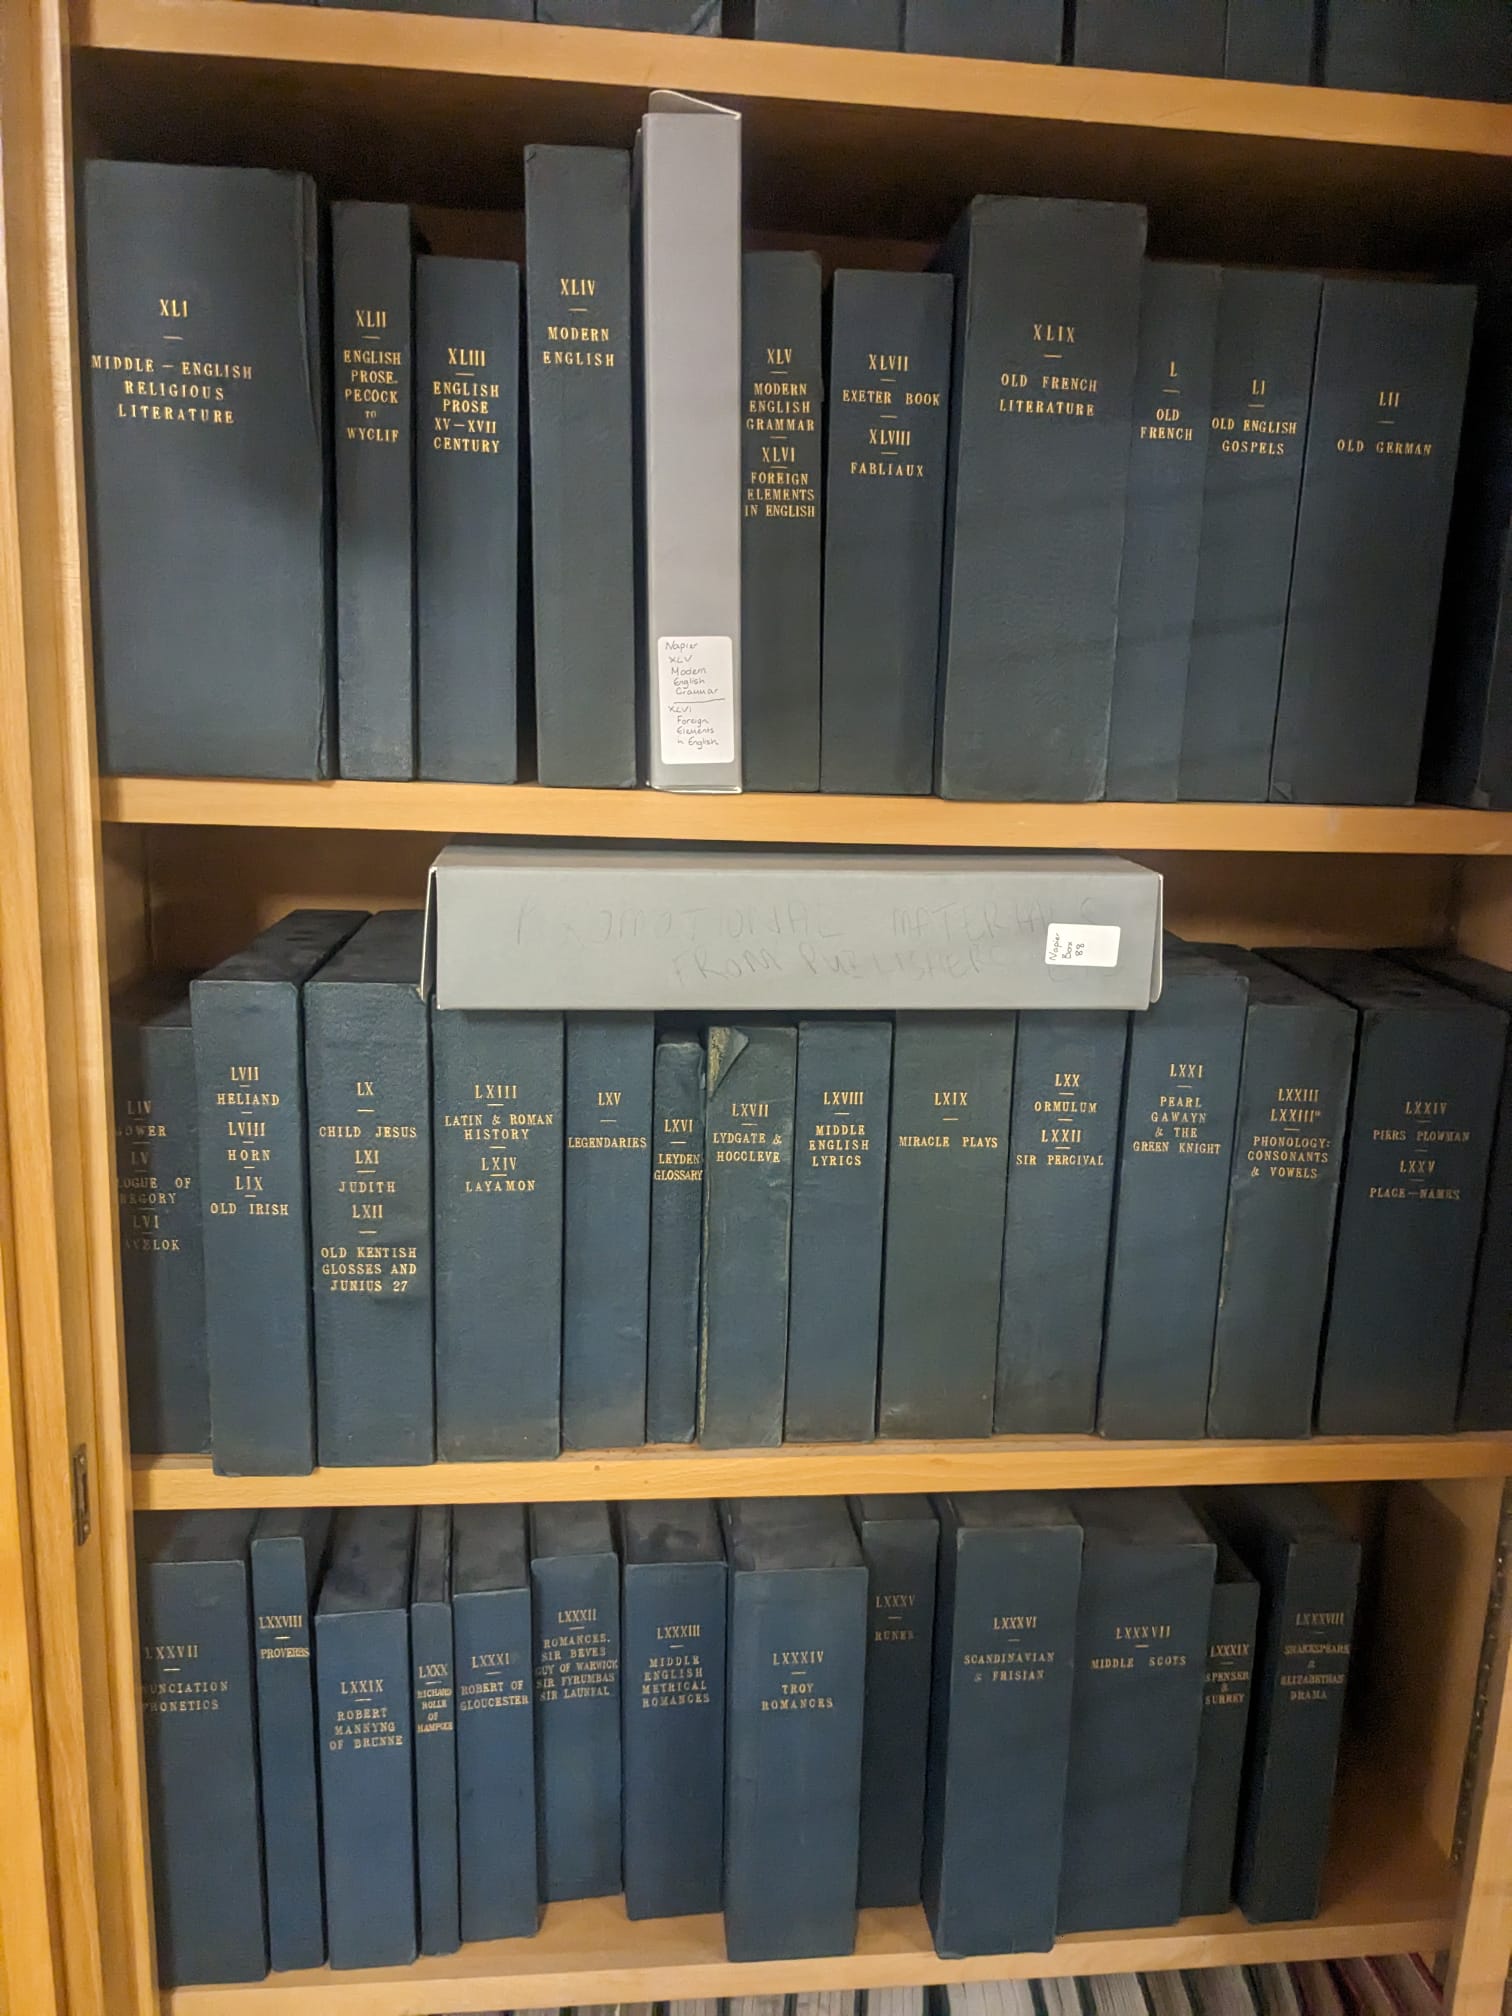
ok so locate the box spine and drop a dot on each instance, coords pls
(690, 275)
(1208, 1880)
(1063, 1159)
(201, 1772)
(577, 1724)
(998, 1754)
(1377, 485)
(884, 526)
(1467, 750)
(281, 1581)
(162, 1244)
(947, 1174)
(677, 1187)
(1410, 1212)
(582, 462)
(367, 1795)
(607, 1227)
(1176, 1141)
(367, 1070)
(1030, 31)
(662, 17)
(1157, 594)
(467, 507)
(248, 1040)
(1444, 51)
(1271, 41)
(782, 396)
(839, 24)
(1178, 38)
(792, 1780)
(674, 1716)
(839, 1186)
(1135, 1723)
(748, 1216)
(1278, 1238)
(497, 1123)
(496, 1764)
(1485, 1401)
(1306, 1631)
(373, 332)
(1267, 329)
(436, 1774)
(199, 672)
(1035, 517)
(900, 1556)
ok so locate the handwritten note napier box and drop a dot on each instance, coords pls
(681, 929)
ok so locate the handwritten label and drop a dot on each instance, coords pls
(696, 691)
(1082, 945)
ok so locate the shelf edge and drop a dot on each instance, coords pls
(814, 818)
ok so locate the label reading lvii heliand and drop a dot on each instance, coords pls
(695, 688)
(1082, 945)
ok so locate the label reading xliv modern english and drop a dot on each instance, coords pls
(696, 694)
(1082, 945)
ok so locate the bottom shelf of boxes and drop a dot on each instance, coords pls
(1389, 1889)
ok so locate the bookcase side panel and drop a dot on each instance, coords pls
(52, 922)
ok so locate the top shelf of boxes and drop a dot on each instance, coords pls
(839, 144)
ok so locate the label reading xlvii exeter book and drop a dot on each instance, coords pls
(696, 690)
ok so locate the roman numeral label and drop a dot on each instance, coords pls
(776, 356)
(466, 357)
(887, 360)
(364, 1088)
(575, 290)
(371, 318)
(609, 1098)
(1067, 1081)
(779, 454)
(1188, 1070)
(1055, 332)
(175, 310)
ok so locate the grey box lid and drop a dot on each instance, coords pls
(511, 926)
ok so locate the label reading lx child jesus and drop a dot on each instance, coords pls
(696, 699)
(1082, 945)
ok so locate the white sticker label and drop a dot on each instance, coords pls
(1082, 945)
(696, 693)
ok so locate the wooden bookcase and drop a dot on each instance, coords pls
(868, 157)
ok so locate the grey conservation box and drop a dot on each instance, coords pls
(512, 926)
(687, 193)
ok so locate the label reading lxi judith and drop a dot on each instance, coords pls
(696, 692)
(1082, 945)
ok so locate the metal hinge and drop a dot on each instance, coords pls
(80, 1468)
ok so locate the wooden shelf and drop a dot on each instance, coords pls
(1011, 1463)
(815, 818)
(433, 109)
(1389, 1890)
